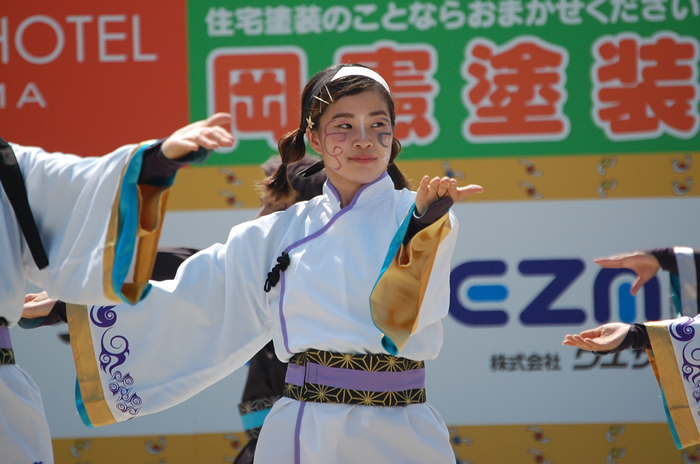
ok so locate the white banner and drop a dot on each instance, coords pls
(523, 277)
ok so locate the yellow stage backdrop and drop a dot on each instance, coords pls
(505, 444)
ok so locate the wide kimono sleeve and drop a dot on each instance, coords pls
(673, 355)
(187, 334)
(414, 285)
(98, 225)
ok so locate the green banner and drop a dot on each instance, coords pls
(472, 79)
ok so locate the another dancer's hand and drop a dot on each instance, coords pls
(37, 305)
(604, 338)
(643, 264)
(430, 191)
(207, 133)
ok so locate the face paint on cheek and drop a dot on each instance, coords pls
(385, 138)
(330, 141)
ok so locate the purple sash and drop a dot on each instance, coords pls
(5, 342)
(355, 379)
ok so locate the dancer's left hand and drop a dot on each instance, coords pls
(430, 191)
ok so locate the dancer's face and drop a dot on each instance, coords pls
(354, 138)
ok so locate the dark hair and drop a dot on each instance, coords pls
(318, 90)
(305, 187)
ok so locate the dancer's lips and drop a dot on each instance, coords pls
(363, 159)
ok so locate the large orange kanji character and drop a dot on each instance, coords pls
(260, 87)
(646, 87)
(409, 71)
(516, 91)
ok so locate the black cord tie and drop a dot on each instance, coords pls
(274, 275)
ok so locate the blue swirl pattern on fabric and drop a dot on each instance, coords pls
(682, 331)
(112, 355)
(104, 316)
(121, 386)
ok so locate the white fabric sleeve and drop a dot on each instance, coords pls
(98, 225)
(187, 334)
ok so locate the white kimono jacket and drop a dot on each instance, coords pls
(90, 215)
(350, 288)
(675, 357)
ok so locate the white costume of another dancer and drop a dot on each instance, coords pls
(93, 219)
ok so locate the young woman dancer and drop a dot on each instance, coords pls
(351, 286)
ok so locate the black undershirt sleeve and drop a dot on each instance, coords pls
(637, 339)
(667, 259)
(57, 314)
(155, 166)
(435, 211)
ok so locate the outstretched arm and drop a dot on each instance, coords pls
(611, 336)
(189, 144)
(40, 310)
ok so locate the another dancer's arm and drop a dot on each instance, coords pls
(615, 337)
(97, 215)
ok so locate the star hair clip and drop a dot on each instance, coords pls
(309, 122)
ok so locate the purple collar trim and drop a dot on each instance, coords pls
(333, 190)
(331, 187)
(5, 342)
(355, 379)
(283, 322)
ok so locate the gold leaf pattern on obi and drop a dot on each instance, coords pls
(7, 356)
(368, 363)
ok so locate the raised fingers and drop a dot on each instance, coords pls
(433, 187)
(443, 187)
(218, 119)
(424, 184)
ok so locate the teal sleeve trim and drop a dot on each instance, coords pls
(81, 407)
(127, 224)
(674, 433)
(254, 419)
(30, 323)
(394, 247)
(676, 307)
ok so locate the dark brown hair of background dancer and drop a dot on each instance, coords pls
(305, 188)
(278, 188)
